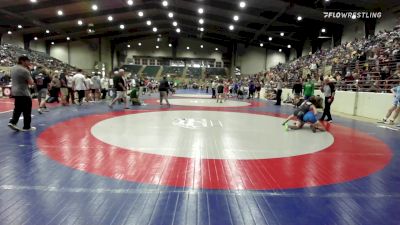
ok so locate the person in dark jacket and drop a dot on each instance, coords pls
(163, 89)
(297, 91)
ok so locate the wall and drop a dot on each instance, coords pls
(274, 58)
(327, 44)
(293, 54)
(355, 29)
(83, 55)
(14, 39)
(388, 21)
(148, 48)
(307, 48)
(357, 103)
(39, 46)
(252, 59)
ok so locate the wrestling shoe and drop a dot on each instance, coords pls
(286, 126)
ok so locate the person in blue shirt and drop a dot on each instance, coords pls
(306, 113)
(395, 108)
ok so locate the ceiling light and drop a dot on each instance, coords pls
(323, 30)
(35, 38)
(9, 32)
(33, 1)
(216, 49)
(19, 26)
(270, 39)
(175, 23)
(178, 30)
(148, 22)
(154, 29)
(261, 45)
(282, 34)
(130, 2)
(170, 15)
(201, 20)
(200, 10)
(231, 27)
(280, 50)
(326, 0)
(170, 45)
(165, 3)
(95, 7)
(158, 39)
(157, 46)
(47, 32)
(289, 46)
(140, 44)
(128, 46)
(201, 29)
(122, 26)
(235, 17)
(68, 38)
(299, 18)
(60, 12)
(187, 47)
(52, 42)
(201, 46)
(140, 13)
(80, 22)
(242, 4)
(110, 18)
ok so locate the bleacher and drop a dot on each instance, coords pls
(151, 71)
(213, 71)
(133, 69)
(173, 70)
(194, 72)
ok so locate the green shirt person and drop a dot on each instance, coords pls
(308, 89)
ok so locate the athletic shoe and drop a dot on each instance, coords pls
(286, 127)
(30, 129)
(391, 122)
(40, 111)
(13, 127)
(329, 121)
(46, 110)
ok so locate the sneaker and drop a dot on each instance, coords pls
(391, 122)
(30, 129)
(46, 110)
(13, 127)
(286, 127)
(40, 111)
(329, 121)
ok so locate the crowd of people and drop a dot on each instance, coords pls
(365, 64)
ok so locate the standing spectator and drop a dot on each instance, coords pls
(89, 87)
(71, 94)
(296, 90)
(21, 79)
(79, 85)
(213, 89)
(104, 87)
(252, 89)
(54, 90)
(329, 92)
(395, 108)
(308, 89)
(42, 81)
(120, 87)
(163, 89)
(64, 88)
(96, 87)
(279, 91)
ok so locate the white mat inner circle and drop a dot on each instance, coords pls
(209, 135)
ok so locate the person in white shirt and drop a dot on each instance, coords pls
(104, 87)
(71, 94)
(79, 85)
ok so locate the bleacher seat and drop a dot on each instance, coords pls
(173, 70)
(194, 72)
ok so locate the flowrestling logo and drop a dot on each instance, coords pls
(352, 15)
